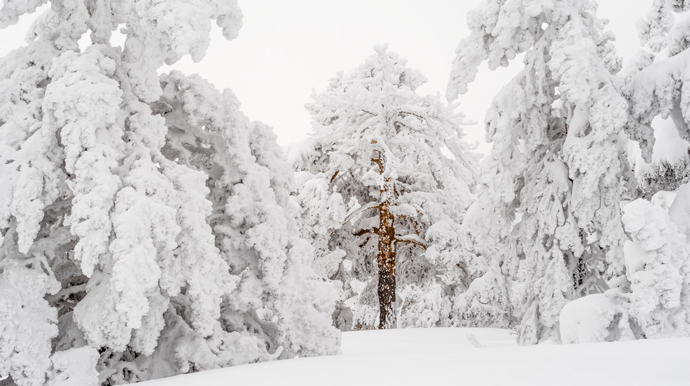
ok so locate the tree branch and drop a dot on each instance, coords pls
(334, 176)
(378, 161)
(412, 239)
(366, 231)
(421, 118)
(361, 210)
(404, 124)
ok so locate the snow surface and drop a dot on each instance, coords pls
(453, 356)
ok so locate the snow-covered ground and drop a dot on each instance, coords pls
(475, 357)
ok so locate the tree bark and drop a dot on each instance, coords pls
(386, 260)
(386, 253)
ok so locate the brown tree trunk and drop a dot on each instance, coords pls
(385, 256)
(386, 260)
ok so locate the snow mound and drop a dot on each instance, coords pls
(594, 318)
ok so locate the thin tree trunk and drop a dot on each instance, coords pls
(386, 260)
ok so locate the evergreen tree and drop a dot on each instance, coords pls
(655, 303)
(551, 186)
(387, 180)
(146, 228)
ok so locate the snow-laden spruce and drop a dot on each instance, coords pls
(146, 226)
(385, 181)
(548, 204)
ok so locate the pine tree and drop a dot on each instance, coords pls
(550, 188)
(387, 180)
(146, 227)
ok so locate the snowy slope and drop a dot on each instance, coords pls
(448, 357)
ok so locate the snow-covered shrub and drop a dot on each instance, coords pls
(386, 180)
(596, 318)
(143, 219)
(485, 303)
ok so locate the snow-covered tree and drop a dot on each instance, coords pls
(386, 179)
(661, 159)
(660, 154)
(253, 219)
(658, 266)
(146, 227)
(655, 303)
(550, 188)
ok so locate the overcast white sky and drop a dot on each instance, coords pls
(287, 48)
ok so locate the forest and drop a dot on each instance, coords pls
(149, 228)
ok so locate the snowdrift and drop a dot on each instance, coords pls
(477, 357)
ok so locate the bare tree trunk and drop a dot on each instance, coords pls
(385, 256)
(386, 260)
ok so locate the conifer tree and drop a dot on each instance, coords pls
(146, 228)
(386, 182)
(550, 188)
(657, 256)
